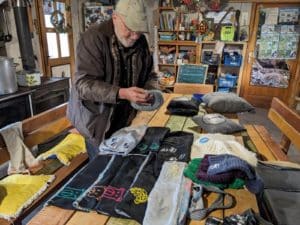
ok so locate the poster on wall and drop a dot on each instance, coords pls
(96, 13)
(279, 32)
(278, 41)
(272, 73)
(288, 15)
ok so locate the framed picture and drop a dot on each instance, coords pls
(192, 73)
(96, 13)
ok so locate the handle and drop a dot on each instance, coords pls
(250, 57)
(8, 36)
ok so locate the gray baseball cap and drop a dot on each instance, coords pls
(134, 14)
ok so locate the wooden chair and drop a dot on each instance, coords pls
(287, 121)
(187, 88)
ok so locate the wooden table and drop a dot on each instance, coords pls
(51, 215)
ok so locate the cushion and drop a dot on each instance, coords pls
(227, 103)
(155, 102)
(183, 106)
(18, 191)
(67, 149)
(217, 123)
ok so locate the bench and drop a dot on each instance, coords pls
(287, 121)
(37, 130)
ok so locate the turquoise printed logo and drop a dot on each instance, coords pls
(203, 140)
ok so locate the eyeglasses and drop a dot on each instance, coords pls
(128, 29)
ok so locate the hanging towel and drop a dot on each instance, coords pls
(18, 191)
(67, 149)
(21, 158)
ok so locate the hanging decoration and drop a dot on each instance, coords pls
(204, 6)
(57, 19)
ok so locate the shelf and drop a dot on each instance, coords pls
(161, 64)
(184, 43)
(166, 86)
(230, 66)
(226, 42)
(169, 31)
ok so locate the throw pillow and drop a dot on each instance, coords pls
(217, 123)
(227, 103)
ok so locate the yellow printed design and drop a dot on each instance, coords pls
(140, 195)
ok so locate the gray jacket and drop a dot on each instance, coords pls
(96, 82)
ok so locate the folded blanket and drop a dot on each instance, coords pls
(67, 149)
(21, 158)
(18, 191)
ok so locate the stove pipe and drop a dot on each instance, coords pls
(24, 35)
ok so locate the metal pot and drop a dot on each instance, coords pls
(8, 80)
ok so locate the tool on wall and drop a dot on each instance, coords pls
(7, 37)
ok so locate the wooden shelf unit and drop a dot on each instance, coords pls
(172, 53)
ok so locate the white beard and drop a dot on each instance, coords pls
(124, 41)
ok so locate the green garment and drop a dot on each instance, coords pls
(192, 168)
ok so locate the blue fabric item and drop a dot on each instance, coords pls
(224, 163)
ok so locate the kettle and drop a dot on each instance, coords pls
(8, 80)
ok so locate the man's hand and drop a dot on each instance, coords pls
(134, 94)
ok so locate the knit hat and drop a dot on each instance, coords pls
(155, 102)
(223, 178)
(224, 163)
(134, 14)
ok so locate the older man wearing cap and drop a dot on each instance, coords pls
(113, 65)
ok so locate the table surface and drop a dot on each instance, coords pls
(51, 215)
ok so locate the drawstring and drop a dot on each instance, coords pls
(197, 210)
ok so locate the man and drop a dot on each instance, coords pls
(113, 65)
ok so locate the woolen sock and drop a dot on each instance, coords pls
(134, 203)
(151, 140)
(113, 193)
(79, 183)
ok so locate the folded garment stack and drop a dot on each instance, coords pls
(121, 184)
(183, 106)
